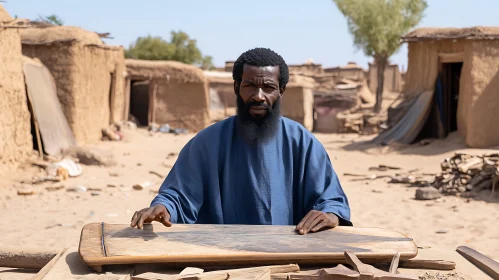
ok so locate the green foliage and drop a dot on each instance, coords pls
(180, 48)
(52, 19)
(377, 25)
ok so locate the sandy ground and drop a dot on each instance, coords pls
(53, 219)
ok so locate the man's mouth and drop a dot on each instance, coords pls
(258, 108)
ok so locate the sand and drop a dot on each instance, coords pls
(53, 219)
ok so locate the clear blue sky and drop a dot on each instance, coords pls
(297, 29)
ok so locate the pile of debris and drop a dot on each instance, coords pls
(464, 172)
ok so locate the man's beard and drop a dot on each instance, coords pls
(253, 128)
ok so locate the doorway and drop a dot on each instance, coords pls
(139, 102)
(451, 75)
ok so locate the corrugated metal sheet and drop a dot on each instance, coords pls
(411, 124)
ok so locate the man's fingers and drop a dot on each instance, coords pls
(166, 221)
(133, 222)
(320, 226)
(307, 225)
(312, 222)
(300, 225)
(145, 217)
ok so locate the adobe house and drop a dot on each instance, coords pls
(16, 141)
(223, 85)
(461, 67)
(393, 78)
(89, 76)
(298, 100)
(351, 71)
(167, 92)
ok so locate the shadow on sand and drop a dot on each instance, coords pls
(453, 143)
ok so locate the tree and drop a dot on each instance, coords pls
(377, 25)
(180, 48)
(52, 19)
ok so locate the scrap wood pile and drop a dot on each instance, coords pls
(461, 173)
(464, 172)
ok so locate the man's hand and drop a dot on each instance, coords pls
(317, 220)
(156, 213)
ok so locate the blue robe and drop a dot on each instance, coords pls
(222, 178)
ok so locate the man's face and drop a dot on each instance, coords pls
(259, 89)
(258, 98)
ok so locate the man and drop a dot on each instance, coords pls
(253, 168)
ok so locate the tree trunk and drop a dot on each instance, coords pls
(381, 63)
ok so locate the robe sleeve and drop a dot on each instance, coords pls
(323, 191)
(182, 190)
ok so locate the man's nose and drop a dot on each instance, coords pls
(259, 96)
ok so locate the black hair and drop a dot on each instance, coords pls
(261, 57)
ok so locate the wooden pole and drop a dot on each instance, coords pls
(30, 258)
(481, 261)
(127, 89)
(37, 129)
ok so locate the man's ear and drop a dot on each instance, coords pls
(236, 87)
(282, 90)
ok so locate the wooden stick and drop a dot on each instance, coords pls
(486, 264)
(428, 264)
(48, 266)
(28, 258)
(35, 121)
(395, 263)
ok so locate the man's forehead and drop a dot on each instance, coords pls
(268, 71)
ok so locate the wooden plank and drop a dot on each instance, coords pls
(463, 266)
(237, 244)
(50, 122)
(483, 262)
(69, 266)
(127, 88)
(153, 87)
(262, 272)
(30, 258)
(46, 269)
(112, 96)
(451, 57)
(428, 264)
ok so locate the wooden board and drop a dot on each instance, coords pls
(69, 266)
(42, 93)
(103, 244)
(462, 265)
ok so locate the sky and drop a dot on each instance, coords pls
(297, 29)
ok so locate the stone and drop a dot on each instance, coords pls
(91, 156)
(427, 193)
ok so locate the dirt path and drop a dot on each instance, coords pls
(54, 218)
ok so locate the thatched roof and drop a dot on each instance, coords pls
(177, 71)
(4, 16)
(472, 33)
(55, 34)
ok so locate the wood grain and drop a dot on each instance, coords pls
(226, 244)
(481, 261)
